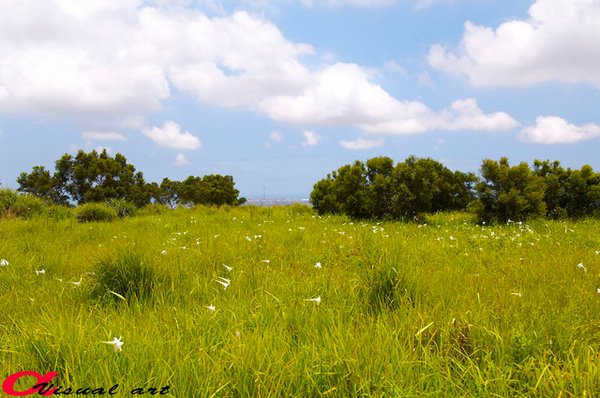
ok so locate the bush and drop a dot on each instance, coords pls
(125, 276)
(95, 212)
(27, 206)
(123, 207)
(58, 212)
(7, 198)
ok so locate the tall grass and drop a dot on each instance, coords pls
(446, 308)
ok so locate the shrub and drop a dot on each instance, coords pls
(123, 207)
(125, 276)
(58, 212)
(7, 198)
(27, 206)
(95, 212)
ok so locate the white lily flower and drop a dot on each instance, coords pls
(580, 265)
(223, 281)
(228, 268)
(598, 290)
(40, 272)
(116, 343)
(265, 261)
(78, 283)
(316, 300)
(164, 252)
(318, 265)
(211, 308)
(3, 263)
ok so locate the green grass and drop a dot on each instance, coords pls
(446, 309)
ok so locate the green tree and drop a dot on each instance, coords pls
(509, 193)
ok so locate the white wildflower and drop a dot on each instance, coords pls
(40, 272)
(318, 265)
(516, 294)
(228, 268)
(223, 281)
(116, 343)
(581, 266)
(265, 261)
(164, 252)
(211, 308)
(3, 263)
(316, 300)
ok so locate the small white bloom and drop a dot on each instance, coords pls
(597, 252)
(228, 268)
(316, 300)
(580, 266)
(116, 343)
(164, 252)
(318, 266)
(223, 281)
(265, 261)
(598, 290)
(248, 238)
(40, 272)
(3, 263)
(216, 236)
(78, 283)
(211, 308)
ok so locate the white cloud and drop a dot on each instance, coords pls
(556, 130)
(118, 60)
(466, 115)
(361, 143)
(342, 94)
(559, 42)
(171, 136)
(103, 136)
(181, 160)
(358, 3)
(310, 138)
(276, 136)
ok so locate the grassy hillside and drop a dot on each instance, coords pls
(448, 308)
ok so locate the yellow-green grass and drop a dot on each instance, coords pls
(446, 309)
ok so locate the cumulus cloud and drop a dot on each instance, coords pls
(361, 143)
(310, 138)
(556, 130)
(171, 136)
(102, 136)
(358, 3)
(559, 42)
(466, 115)
(118, 60)
(181, 160)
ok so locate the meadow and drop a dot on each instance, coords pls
(274, 302)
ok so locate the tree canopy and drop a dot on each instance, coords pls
(98, 177)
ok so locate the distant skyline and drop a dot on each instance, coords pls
(278, 93)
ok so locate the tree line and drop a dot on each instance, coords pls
(378, 189)
(91, 177)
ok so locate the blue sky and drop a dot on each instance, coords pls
(279, 93)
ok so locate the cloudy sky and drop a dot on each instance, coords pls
(278, 93)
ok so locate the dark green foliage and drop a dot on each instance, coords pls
(213, 189)
(96, 177)
(126, 275)
(89, 212)
(381, 190)
(123, 208)
(509, 193)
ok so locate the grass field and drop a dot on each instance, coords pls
(231, 302)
